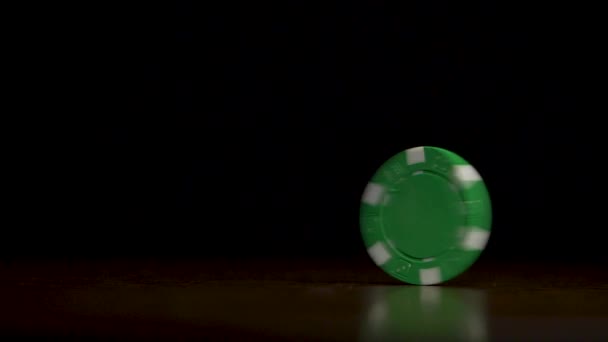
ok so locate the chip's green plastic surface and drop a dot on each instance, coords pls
(425, 216)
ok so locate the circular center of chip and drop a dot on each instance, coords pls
(422, 216)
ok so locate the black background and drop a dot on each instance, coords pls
(251, 129)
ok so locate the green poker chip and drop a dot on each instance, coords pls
(425, 216)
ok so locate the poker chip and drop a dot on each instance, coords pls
(425, 216)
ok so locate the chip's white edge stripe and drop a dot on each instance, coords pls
(466, 173)
(379, 253)
(430, 276)
(475, 239)
(415, 155)
(373, 194)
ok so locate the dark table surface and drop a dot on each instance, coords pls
(297, 299)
